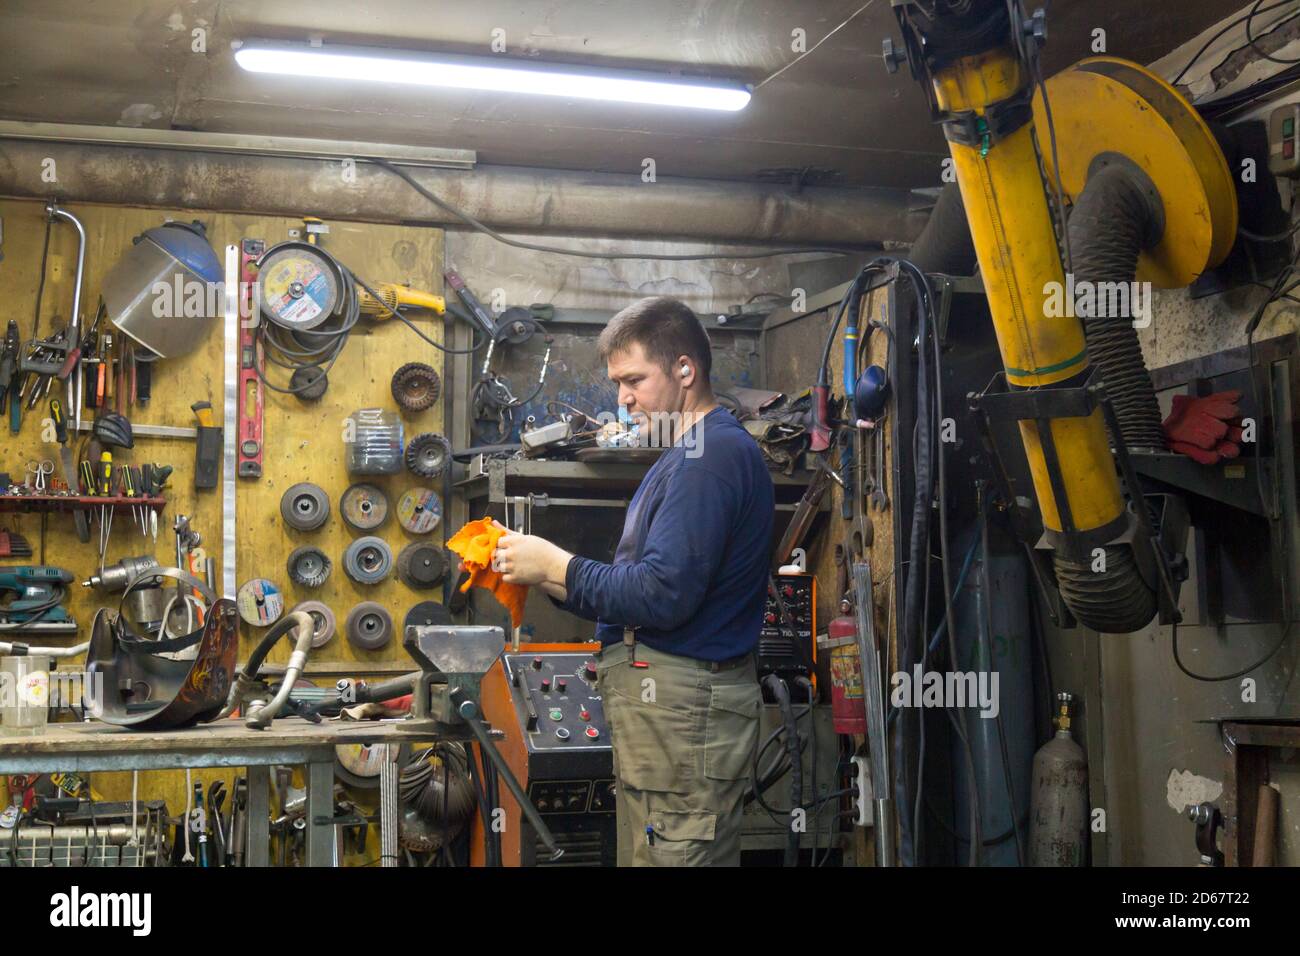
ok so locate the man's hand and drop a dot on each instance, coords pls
(530, 560)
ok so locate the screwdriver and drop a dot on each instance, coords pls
(88, 477)
(128, 490)
(105, 511)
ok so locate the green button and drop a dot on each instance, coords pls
(557, 714)
(1288, 126)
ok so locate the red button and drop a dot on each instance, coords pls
(585, 714)
(1288, 148)
(593, 733)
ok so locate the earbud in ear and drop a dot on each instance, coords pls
(686, 370)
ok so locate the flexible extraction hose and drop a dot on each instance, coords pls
(1112, 221)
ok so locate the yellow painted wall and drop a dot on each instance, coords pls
(303, 441)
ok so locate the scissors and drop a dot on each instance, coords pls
(39, 471)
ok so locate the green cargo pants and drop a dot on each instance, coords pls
(684, 734)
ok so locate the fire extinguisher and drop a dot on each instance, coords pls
(848, 706)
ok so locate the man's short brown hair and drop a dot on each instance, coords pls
(665, 328)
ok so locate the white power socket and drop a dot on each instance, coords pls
(862, 801)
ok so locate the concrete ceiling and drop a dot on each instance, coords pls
(836, 112)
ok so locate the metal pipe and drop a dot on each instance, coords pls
(74, 324)
(517, 199)
(389, 806)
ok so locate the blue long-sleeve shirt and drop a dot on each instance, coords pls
(690, 572)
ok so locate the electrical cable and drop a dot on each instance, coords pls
(281, 353)
(559, 250)
(781, 691)
(1254, 12)
(977, 814)
(1275, 237)
(1243, 19)
(813, 49)
(1212, 679)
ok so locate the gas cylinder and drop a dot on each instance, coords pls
(1058, 822)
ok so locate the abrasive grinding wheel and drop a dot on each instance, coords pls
(369, 626)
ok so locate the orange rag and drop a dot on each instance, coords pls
(475, 543)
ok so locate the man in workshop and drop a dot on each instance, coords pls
(678, 611)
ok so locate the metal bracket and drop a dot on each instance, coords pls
(1041, 405)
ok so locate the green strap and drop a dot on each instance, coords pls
(1048, 369)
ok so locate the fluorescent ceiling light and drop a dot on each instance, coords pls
(489, 73)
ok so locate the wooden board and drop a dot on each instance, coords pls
(303, 442)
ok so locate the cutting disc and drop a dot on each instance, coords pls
(299, 287)
(427, 614)
(364, 506)
(419, 510)
(260, 602)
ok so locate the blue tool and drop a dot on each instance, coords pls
(36, 608)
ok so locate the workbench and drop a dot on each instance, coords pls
(291, 741)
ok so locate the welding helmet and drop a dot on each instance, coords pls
(149, 682)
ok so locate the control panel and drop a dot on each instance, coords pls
(556, 701)
(545, 700)
(779, 650)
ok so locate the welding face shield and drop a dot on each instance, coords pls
(148, 682)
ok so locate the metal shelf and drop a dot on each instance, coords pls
(582, 484)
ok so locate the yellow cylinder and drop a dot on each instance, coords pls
(1011, 227)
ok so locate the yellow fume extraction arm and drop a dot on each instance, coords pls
(1152, 200)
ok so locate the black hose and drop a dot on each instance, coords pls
(1113, 220)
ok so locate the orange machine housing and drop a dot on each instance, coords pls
(498, 708)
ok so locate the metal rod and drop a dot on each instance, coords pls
(389, 809)
(470, 712)
(74, 324)
(874, 697)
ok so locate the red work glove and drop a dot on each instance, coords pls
(1205, 429)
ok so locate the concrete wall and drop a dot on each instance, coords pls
(1153, 744)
